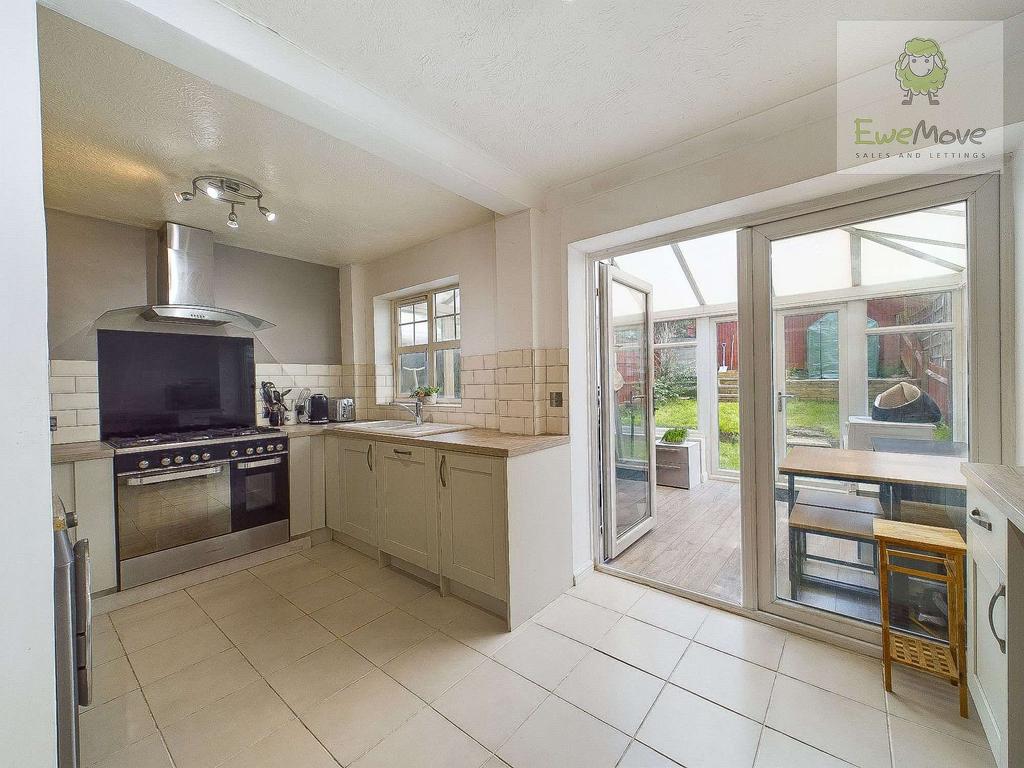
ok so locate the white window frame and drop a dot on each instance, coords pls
(429, 348)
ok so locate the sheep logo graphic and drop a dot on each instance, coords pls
(921, 70)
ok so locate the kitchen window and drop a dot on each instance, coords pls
(428, 332)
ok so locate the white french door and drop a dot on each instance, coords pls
(627, 408)
(859, 294)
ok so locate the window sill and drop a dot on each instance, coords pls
(439, 404)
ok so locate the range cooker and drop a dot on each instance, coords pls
(188, 499)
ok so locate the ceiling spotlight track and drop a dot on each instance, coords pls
(227, 190)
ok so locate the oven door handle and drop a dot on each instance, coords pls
(259, 463)
(167, 477)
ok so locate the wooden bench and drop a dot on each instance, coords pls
(867, 505)
(835, 523)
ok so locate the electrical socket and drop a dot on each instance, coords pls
(53, 423)
(555, 399)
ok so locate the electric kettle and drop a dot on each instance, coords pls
(317, 409)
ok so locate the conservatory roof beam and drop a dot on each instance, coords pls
(897, 246)
(689, 275)
(913, 239)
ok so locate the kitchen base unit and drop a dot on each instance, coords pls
(485, 523)
(995, 600)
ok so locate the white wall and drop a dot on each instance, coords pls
(467, 255)
(1015, 205)
(27, 725)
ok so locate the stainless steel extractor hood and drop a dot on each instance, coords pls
(184, 282)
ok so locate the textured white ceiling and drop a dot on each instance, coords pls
(122, 131)
(559, 90)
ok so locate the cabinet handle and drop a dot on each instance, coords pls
(977, 519)
(369, 456)
(402, 453)
(1001, 592)
(444, 461)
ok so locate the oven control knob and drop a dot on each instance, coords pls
(259, 449)
(270, 448)
(143, 464)
(280, 447)
(194, 457)
(248, 451)
(205, 457)
(179, 459)
(165, 461)
(234, 453)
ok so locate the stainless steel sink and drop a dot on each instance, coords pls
(409, 428)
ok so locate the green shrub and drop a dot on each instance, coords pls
(675, 435)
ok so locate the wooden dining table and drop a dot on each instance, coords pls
(890, 471)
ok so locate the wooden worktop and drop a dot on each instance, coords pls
(66, 453)
(485, 442)
(1003, 485)
(874, 467)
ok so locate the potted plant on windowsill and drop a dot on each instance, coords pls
(427, 395)
(679, 464)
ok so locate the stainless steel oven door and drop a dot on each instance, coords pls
(259, 491)
(157, 511)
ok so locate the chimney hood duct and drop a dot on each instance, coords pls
(184, 282)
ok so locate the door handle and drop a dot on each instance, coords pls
(444, 461)
(369, 456)
(402, 453)
(1001, 592)
(782, 398)
(83, 621)
(977, 519)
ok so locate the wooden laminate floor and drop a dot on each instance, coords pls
(695, 544)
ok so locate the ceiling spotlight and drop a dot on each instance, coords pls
(227, 190)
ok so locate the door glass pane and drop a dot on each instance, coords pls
(445, 329)
(811, 391)
(448, 373)
(728, 375)
(629, 380)
(412, 372)
(695, 541)
(870, 358)
(675, 386)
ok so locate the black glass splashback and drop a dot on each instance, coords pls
(164, 382)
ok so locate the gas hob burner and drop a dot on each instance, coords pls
(187, 436)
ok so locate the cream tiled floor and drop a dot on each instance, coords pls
(321, 659)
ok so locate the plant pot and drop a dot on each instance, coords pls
(429, 399)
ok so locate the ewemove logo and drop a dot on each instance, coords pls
(941, 109)
(921, 70)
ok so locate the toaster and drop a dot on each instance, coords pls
(342, 409)
(318, 408)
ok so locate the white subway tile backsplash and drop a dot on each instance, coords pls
(307, 381)
(67, 402)
(318, 370)
(268, 369)
(294, 369)
(88, 417)
(65, 418)
(62, 384)
(76, 434)
(73, 368)
(87, 384)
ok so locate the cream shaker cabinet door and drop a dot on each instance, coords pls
(357, 489)
(987, 673)
(332, 482)
(474, 541)
(407, 503)
(300, 503)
